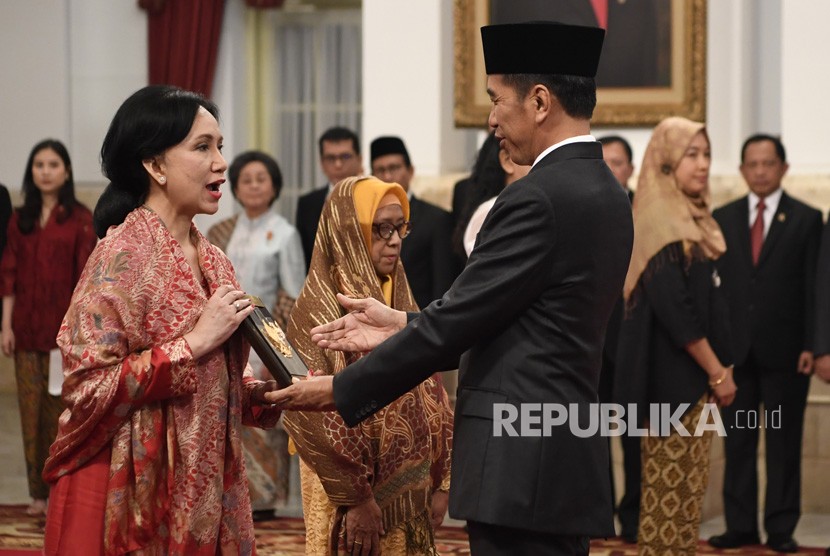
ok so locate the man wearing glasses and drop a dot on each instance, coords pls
(427, 254)
(339, 159)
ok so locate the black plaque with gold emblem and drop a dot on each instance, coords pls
(270, 343)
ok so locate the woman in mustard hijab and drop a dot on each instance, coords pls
(674, 342)
(381, 486)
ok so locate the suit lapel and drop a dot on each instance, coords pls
(776, 228)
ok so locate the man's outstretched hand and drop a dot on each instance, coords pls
(368, 323)
(315, 393)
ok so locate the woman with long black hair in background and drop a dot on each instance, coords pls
(49, 241)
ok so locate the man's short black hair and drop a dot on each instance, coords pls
(758, 138)
(576, 94)
(337, 134)
(610, 139)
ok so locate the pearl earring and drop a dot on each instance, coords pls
(162, 179)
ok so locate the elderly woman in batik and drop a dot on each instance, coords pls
(384, 484)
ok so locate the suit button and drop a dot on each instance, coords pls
(374, 404)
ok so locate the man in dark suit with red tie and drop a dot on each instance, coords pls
(769, 275)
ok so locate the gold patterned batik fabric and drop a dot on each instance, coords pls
(400, 455)
(674, 479)
(39, 413)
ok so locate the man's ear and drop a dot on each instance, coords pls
(542, 101)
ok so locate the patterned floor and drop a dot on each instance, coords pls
(21, 534)
(279, 537)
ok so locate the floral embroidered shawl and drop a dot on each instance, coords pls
(177, 480)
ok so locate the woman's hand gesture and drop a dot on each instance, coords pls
(222, 315)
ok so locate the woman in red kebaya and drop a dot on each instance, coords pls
(49, 240)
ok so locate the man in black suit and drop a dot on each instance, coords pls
(528, 312)
(427, 253)
(616, 152)
(339, 159)
(769, 275)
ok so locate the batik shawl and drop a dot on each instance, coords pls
(402, 453)
(177, 481)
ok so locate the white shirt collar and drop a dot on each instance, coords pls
(575, 139)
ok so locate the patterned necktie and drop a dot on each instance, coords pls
(756, 233)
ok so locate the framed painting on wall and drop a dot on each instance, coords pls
(653, 62)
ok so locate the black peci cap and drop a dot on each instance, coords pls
(545, 47)
(387, 145)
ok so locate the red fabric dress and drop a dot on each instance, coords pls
(40, 269)
(175, 479)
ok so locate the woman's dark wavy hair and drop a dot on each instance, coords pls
(29, 213)
(148, 123)
(488, 179)
(270, 164)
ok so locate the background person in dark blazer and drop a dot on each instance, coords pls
(339, 159)
(426, 255)
(616, 152)
(770, 284)
(528, 312)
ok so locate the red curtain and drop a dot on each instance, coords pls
(183, 42)
(264, 3)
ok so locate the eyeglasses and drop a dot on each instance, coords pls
(384, 229)
(391, 169)
(342, 158)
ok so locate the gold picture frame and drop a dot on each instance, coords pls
(685, 94)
